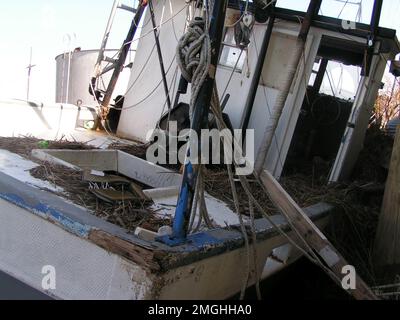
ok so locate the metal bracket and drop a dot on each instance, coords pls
(110, 60)
(107, 69)
(127, 8)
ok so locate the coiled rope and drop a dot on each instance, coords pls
(194, 57)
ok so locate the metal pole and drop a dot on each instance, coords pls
(68, 76)
(199, 121)
(376, 16)
(119, 65)
(160, 57)
(375, 19)
(257, 73)
(320, 75)
(97, 68)
(30, 66)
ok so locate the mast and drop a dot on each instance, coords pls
(118, 64)
(375, 19)
(199, 121)
(29, 67)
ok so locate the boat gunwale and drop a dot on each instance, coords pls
(151, 255)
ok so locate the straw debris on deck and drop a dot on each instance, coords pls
(351, 230)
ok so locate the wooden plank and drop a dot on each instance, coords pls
(128, 250)
(312, 235)
(354, 136)
(387, 241)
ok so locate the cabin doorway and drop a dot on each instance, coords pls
(326, 108)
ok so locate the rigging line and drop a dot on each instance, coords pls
(145, 23)
(173, 22)
(331, 82)
(245, 184)
(240, 18)
(159, 51)
(279, 156)
(214, 102)
(255, 256)
(162, 13)
(98, 112)
(352, 38)
(152, 29)
(103, 83)
(141, 71)
(339, 87)
(149, 94)
(216, 109)
(113, 57)
(341, 11)
(149, 20)
(332, 25)
(359, 10)
(311, 255)
(144, 66)
(105, 125)
(173, 86)
(231, 76)
(148, 59)
(243, 230)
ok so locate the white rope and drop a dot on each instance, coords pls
(255, 255)
(216, 109)
(194, 57)
(305, 249)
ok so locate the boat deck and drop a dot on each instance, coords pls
(40, 225)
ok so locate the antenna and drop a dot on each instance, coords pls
(29, 67)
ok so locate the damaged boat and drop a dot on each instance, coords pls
(97, 254)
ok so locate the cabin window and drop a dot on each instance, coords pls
(341, 81)
(327, 107)
(231, 54)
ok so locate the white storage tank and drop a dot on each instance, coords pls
(74, 72)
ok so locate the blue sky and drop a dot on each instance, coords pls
(43, 24)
